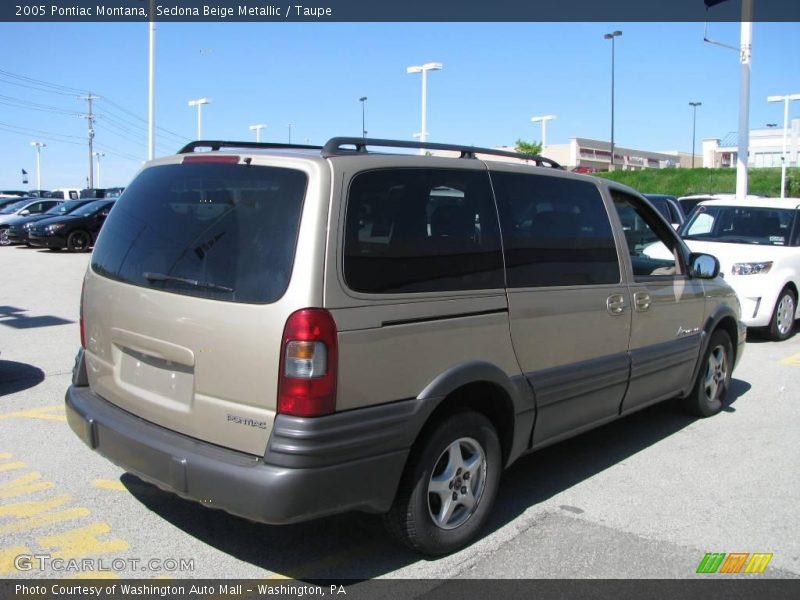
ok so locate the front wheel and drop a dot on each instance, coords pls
(782, 322)
(4, 237)
(713, 379)
(79, 241)
(449, 486)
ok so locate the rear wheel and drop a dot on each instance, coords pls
(780, 327)
(713, 379)
(79, 241)
(449, 485)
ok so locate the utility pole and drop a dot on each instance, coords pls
(90, 122)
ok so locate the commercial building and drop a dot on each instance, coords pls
(766, 148)
(595, 155)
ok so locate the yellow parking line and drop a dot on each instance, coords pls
(23, 510)
(26, 484)
(44, 520)
(45, 413)
(12, 466)
(792, 360)
(4, 456)
(109, 484)
(82, 542)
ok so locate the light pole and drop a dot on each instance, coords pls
(363, 101)
(785, 99)
(432, 66)
(199, 104)
(257, 129)
(543, 120)
(612, 36)
(151, 86)
(38, 146)
(97, 156)
(694, 106)
(290, 132)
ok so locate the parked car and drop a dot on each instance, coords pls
(289, 333)
(76, 231)
(668, 206)
(8, 200)
(689, 202)
(19, 227)
(22, 208)
(757, 242)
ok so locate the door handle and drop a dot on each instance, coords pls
(641, 301)
(615, 304)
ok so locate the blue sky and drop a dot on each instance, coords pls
(495, 77)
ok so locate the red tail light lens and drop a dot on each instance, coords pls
(83, 329)
(309, 361)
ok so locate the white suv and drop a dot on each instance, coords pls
(757, 242)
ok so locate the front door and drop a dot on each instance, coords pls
(668, 306)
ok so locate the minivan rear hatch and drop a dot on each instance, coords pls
(184, 301)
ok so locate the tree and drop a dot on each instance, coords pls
(528, 147)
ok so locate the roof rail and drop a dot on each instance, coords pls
(219, 144)
(334, 147)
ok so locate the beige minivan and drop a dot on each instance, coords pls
(288, 332)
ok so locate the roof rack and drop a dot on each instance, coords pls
(215, 145)
(335, 147)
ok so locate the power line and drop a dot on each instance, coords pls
(54, 87)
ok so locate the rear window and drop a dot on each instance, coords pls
(220, 231)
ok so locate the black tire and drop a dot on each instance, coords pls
(713, 379)
(411, 520)
(782, 322)
(79, 241)
(4, 237)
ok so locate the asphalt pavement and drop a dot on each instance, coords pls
(646, 497)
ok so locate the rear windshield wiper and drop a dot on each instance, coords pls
(193, 282)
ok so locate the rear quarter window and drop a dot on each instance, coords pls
(220, 231)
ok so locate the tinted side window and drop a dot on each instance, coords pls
(556, 231)
(421, 230)
(652, 248)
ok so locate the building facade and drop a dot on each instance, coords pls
(766, 148)
(595, 155)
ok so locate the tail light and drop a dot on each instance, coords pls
(83, 328)
(307, 382)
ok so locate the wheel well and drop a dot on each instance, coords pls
(729, 326)
(792, 287)
(484, 397)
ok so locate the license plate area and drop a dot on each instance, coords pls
(157, 376)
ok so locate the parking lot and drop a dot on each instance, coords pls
(645, 497)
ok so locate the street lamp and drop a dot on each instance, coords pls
(38, 146)
(432, 66)
(199, 104)
(611, 36)
(97, 156)
(257, 129)
(363, 101)
(290, 132)
(785, 99)
(771, 125)
(543, 120)
(694, 106)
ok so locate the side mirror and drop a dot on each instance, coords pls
(24, 213)
(703, 266)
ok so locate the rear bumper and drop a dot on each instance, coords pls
(241, 484)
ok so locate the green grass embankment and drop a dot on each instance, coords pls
(682, 182)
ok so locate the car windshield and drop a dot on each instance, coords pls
(740, 225)
(88, 210)
(65, 208)
(12, 208)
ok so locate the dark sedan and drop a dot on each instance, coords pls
(76, 231)
(19, 227)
